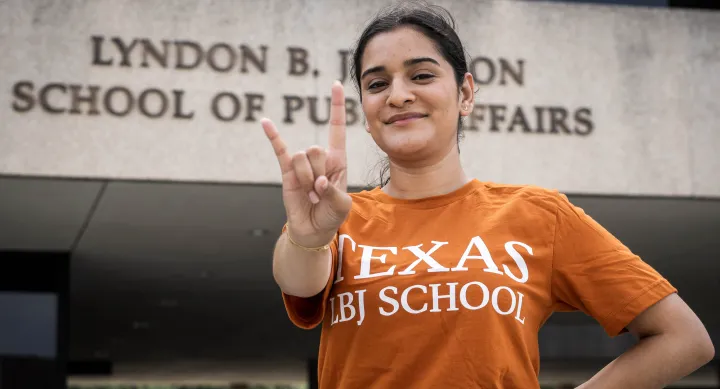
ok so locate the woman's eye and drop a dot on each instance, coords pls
(423, 76)
(376, 84)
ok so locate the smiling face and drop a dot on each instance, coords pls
(410, 97)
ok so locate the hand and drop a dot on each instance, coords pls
(314, 181)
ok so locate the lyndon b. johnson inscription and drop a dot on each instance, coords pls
(67, 97)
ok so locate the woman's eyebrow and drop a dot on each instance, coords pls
(415, 61)
(407, 63)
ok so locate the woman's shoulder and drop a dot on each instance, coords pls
(485, 192)
(526, 190)
(364, 195)
(365, 202)
(502, 194)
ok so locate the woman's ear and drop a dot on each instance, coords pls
(467, 95)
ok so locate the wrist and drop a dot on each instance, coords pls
(314, 242)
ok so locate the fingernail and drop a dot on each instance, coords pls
(313, 197)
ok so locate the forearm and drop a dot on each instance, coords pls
(300, 272)
(655, 362)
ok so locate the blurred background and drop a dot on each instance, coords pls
(139, 202)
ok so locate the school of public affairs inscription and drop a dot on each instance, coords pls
(68, 97)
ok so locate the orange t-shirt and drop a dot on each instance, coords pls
(451, 291)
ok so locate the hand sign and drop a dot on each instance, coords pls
(314, 181)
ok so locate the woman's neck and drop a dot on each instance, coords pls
(408, 182)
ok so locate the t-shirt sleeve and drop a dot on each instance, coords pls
(595, 273)
(308, 312)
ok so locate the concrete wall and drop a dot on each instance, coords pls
(112, 89)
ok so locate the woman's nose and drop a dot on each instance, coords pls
(400, 94)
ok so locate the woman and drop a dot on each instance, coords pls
(437, 280)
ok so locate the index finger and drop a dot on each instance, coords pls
(337, 117)
(278, 145)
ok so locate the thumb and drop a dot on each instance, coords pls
(338, 199)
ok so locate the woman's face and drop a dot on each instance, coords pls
(410, 97)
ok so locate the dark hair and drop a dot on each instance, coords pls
(433, 21)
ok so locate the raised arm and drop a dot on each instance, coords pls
(314, 187)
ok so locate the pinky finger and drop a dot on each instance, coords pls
(278, 145)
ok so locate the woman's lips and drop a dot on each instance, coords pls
(405, 118)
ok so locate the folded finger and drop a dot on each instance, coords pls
(304, 174)
(317, 157)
